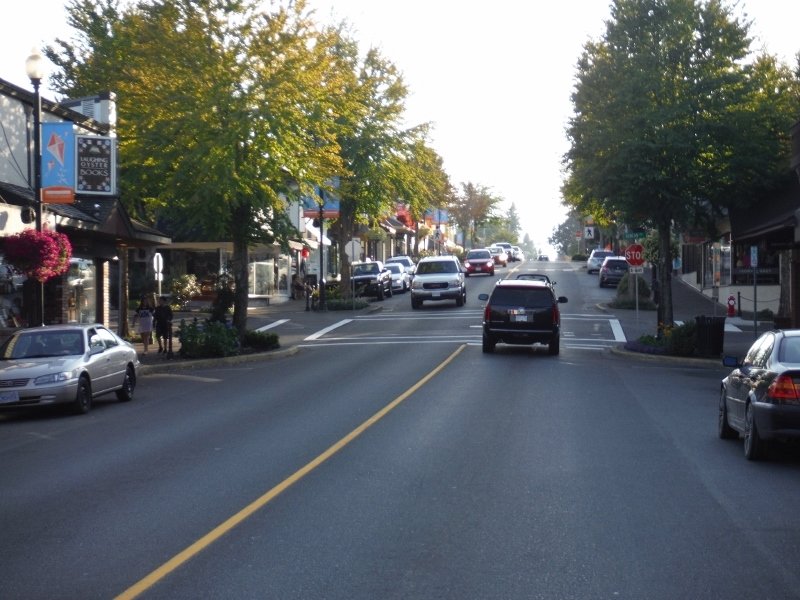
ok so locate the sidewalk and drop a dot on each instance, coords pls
(688, 303)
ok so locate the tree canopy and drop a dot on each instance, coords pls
(672, 121)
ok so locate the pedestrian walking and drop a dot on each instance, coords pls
(143, 320)
(162, 317)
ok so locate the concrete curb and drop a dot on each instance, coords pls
(203, 363)
(643, 356)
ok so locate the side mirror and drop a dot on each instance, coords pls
(483, 297)
(731, 361)
(562, 299)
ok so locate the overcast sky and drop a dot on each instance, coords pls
(494, 78)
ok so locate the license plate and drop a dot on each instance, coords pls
(6, 397)
(436, 294)
(519, 318)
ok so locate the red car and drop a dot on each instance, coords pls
(479, 261)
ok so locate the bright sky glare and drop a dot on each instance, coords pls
(493, 78)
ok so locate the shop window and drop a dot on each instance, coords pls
(81, 291)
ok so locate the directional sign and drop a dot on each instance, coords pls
(634, 254)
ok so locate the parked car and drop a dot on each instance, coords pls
(478, 261)
(595, 260)
(499, 255)
(760, 398)
(612, 270)
(406, 261)
(523, 312)
(371, 278)
(438, 278)
(401, 279)
(65, 364)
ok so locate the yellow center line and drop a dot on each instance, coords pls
(212, 536)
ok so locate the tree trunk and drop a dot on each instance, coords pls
(239, 268)
(665, 313)
(345, 228)
(785, 278)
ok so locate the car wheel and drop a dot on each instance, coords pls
(391, 291)
(125, 393)
(466, 274)
(380, 293)
(83, 397)
(726, 432)
(460, 300)
(488, 344)
(415, 304)
(554, 347)
(754, 446)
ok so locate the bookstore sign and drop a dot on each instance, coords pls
(96, 166)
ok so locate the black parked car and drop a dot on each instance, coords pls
(372, 279)
(760, 398)
(520, 311)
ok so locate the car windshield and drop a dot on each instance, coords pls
(395, 268)
(367, 269)
(438, 266)
(479, 254)
(526, 298)
(42, 344)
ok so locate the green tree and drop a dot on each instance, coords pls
(563, 238)
(221, 104)
(473, 210)
(671, 122)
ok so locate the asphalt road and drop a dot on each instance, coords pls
(390, 458)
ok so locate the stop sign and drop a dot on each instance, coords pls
(634, 254)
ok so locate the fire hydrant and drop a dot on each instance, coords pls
(731, 306)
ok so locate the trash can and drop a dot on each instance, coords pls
(710, 335)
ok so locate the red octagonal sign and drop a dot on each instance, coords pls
(634, 254)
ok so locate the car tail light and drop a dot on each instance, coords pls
(784, 390)
(556, 314)
(487, 313)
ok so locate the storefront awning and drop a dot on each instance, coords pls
(314, 232)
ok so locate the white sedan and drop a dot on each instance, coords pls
(401, 279)
(65, 364)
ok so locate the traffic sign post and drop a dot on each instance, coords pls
(634, 254)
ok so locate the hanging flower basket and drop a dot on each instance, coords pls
(41, 255)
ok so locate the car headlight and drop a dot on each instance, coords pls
(51, 378)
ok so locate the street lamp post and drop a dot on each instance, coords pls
(34, 67)
(321, 254)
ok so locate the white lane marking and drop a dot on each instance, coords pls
(616, 328)
(321, 332)
(271, 325)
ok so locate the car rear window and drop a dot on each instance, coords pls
(617, 263)
(479, 254)
(528, 298)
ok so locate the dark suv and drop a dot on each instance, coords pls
(613, 270)
(520, 311)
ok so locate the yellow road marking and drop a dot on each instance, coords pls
(212, 536)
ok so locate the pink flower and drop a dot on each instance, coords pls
(39, 254)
